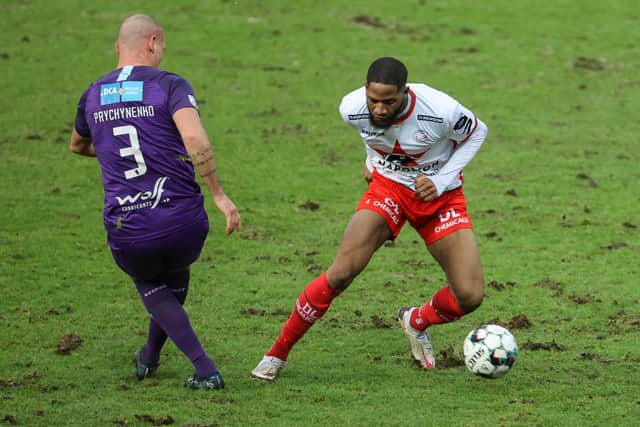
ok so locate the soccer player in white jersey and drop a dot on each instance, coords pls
(417, 141)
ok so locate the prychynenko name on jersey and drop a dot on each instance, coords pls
(133, 112)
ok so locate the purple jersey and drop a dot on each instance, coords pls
(149, 182)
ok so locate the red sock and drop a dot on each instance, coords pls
(442, 308)
(312, 304)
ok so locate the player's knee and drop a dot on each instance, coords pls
(341, 276)
(471, 298)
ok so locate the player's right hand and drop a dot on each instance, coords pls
(425, 189)
(230, 211)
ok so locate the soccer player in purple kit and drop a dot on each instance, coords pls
(142, 124)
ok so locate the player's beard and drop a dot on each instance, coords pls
(386, 122)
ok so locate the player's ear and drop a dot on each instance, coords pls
(117, 47)
(151, 43)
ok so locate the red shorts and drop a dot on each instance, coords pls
(432, 220)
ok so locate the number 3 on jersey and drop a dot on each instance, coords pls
(134, 150)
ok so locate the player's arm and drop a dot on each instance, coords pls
(346, 108)
(200, 152)
(469, 132)
(367, 171)
(81, 144)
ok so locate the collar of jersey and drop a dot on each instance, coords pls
(411, 108)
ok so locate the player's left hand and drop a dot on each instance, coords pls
(425, 189)
(230, 211)
(367, 174)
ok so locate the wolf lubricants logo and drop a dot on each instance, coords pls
(147, 199)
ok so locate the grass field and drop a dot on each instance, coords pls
(553, 194)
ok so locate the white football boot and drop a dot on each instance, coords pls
(268, 368)
(421, 348)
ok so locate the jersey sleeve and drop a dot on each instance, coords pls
(346, 110)
(462, 123)
(181, 95)
(81, 125)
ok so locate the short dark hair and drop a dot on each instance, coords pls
(388, 71)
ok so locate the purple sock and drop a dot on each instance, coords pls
(169, 314)
(178, 281)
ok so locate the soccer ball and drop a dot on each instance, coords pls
(490, 351)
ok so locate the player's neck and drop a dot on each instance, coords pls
(404, 107)
(135, 60)
(122, 64)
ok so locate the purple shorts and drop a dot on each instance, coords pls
(149, 259)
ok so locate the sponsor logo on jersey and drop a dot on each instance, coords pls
(464, 125)
(427, 118)
(127, 91)
(192, 101)
(144, 199)
(359, 116)
(421, 136)
(399, 156)
(429, 169)
(371, 133)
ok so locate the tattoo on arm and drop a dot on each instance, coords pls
(203, 153)
(211, 172)
(202, 162)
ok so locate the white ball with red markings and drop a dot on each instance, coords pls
(490, 351)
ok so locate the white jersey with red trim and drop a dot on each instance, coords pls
(419, 142)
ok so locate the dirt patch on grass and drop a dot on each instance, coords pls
(519, 321)
(310, 206)
(590, 181)
(586, 63)
(596, 357)
(156, 421)
(252, 311)
(615, 245)
(68, 343)
(368, 21)
(12, 383)
(523, 401)
(379, 323)
(550, 284)
(499, 286)
(448, 358)
(583, 299)
(200, 425)
(221, 400)
(622, 317)
(548, 346)
(314, 268)
(57, 312)
(279, 311)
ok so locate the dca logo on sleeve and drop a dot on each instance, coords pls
(111, 93)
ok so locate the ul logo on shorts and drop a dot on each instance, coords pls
(448, 214)
(392, 204)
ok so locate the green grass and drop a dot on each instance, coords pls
(552, 193)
